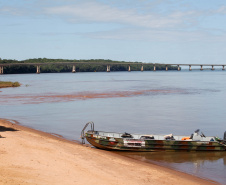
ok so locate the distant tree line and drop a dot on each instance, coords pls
(56, 68)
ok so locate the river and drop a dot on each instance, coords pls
(161, 102)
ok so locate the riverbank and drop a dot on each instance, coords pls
(9, 84)
(29, 156)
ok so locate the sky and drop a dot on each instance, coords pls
(156, 31)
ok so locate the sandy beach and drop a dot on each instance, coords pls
(28, 156)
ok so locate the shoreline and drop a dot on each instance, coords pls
(30, 156)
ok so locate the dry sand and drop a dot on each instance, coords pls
(28, 156)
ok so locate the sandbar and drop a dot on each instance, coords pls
(53, 97)
(29, 156)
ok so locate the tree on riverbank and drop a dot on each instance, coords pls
(53, 67)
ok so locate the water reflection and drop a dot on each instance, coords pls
(201, 164)
(177, 157)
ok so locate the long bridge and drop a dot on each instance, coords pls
(108, 65)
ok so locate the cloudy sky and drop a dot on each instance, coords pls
(162, 31)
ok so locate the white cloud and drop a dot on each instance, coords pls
(221, 10)
(136, 21)
(156, 35)
(11, 10)
(96, 12)
(139, 14)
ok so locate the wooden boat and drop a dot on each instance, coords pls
(139, 142)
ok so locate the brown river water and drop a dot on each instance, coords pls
(160, 102)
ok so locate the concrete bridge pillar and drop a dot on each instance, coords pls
(142, 68)
(178, 67)
(201, 67)
(166, 68)
(212, 67)
(108, 68)
(73, 69)
(129, 69)
(189, 67)
(223, 67)
(1, 70)
(154, 68)
(38, 70)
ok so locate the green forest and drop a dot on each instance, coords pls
(53, 67)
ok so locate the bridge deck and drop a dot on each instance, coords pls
(100, 63)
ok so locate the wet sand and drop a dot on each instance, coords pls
(28, 156)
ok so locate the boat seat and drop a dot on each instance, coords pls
(169, 137)
(145, 137)
(126, 135)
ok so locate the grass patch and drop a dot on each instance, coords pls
(9, 84)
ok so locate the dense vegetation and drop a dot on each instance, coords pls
(53, 67)
(9, 84)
